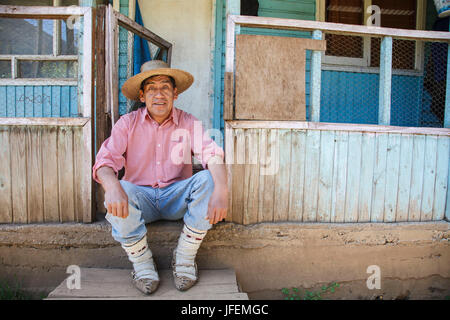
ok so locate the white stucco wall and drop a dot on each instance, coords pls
(188, 25)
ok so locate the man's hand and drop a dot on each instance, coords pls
(115, 197)
(117, 201)
(218, 205)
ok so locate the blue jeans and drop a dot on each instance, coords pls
(187, 199)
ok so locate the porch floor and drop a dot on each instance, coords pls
(109, 284)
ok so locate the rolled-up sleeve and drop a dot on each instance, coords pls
(111, 153)
(203, 147)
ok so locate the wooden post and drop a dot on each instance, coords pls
(384, 109)
(447, 100)
(316, 76)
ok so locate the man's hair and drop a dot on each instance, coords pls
(172, 80)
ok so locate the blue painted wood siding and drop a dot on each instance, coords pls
(38, 101)
(123, 58)
(338, 176)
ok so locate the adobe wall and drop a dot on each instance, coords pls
(414, 258)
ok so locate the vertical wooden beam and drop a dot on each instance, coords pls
(88, 112)
(447, 96)
(384, 109)
(228, 100)
(316, 76)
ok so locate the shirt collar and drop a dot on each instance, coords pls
(173, 115)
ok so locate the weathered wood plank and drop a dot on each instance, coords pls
(442, 172)
(429, 178)
(404, 179)
(34, 175)
(353, 177)
(50, 174)
(65, 174)
(238, 173)
(251, 183)
(20, 121)
(347, 127)
(297, 175)
(282, 183)
(392, 176)
(230, 162)
(6, 213)
(116, 284)
(379, 179)
(311, 175)
(415, 196)
(262, 149)
(327, 149)
(19, 174)
(368, 147)
(78, 174)
(339, 177)
(270, 172)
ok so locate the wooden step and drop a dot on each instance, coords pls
(116, 284)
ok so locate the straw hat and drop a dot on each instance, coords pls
(183, 79)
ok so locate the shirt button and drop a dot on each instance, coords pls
(158, 162)
(159, 145)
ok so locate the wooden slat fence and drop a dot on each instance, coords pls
(41, 173)
(335, 173)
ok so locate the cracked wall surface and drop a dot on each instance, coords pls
(414, 258)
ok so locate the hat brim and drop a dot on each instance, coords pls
(131, 87)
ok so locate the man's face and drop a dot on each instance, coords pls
(158, 95)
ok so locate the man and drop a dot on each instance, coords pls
(150, 143)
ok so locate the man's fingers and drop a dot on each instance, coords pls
(124, 210)
(109, 208)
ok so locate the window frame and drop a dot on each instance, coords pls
(362, 65)
(55, 56)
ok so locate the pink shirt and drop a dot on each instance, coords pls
(152, 154)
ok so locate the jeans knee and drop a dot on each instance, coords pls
(205, 179)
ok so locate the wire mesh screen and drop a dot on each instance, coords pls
(350, 81)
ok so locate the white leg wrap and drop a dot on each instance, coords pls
(141, 256)
(188, 244)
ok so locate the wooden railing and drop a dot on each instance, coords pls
(45, 172)
(317, 29)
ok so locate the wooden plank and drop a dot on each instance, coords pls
(392, 177)
(230, 163)
(114, 71)
(141, 31)
(251, 182)
(41, 12)
(34, 175)
(19, 121)
(87, 160)
(267, 61)
(116, 284)
(78, 173)
(429, 178)
(228, 98)
(353, 176)
(262, 151)
(338, 28)
(50, 174)
(366, 183)
(270, 171)
(404, 179)
(379, 178)
(238, 171)
(302, 125)
(316, 78)
(327, 149)
(312, 160)
(282, 177)
(65, 174)
(19, 174)
(415, 196)
(298, 141)
(339, 178)
(442, 174)
(384, 109)
(6, 213)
